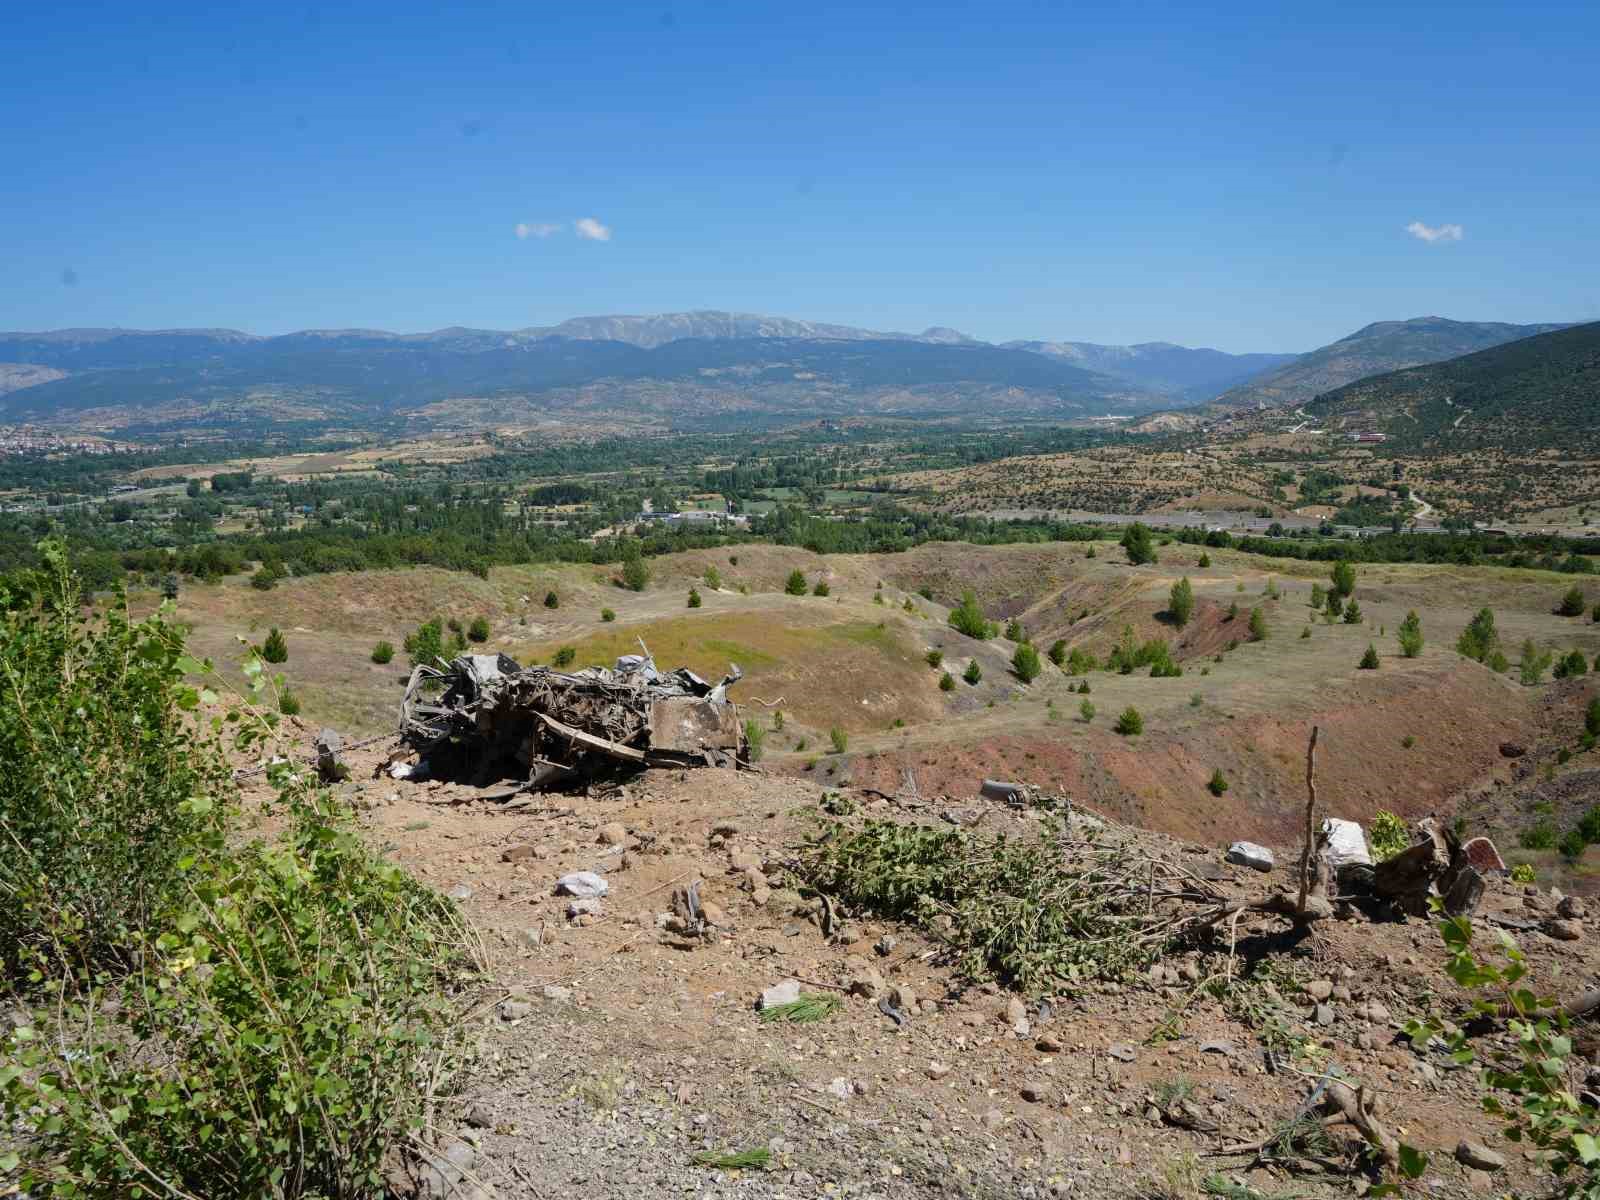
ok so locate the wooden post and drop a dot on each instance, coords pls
(1311, 816)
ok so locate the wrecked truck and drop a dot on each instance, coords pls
(484, 717)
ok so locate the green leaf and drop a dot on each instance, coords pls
(1587, 1148)
(1413, 1162)
(190, 665)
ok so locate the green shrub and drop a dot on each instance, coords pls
(713, 578)
(755, 740)
(1497, 662)
(1352, 612)
(1571, 844)
(1130, 722)
(1572, 604)
(821, 589)
(383, 653)
(1343, 576)
(635, 573)
(1015, 632)
(1058, 652)
(1086, 711)
(1538, 837)
(105, 782)
(968, 618)
(1217, 784)
(1258, 625)
(1572, 665)
(973, 673)
(1591, 719)
(947, 682)
(694, 598)
(778, 719)
(1408, 741)
(564, 658)
(276, 648)
(1305, 632)
(426, 643)
(301, 1023)
(1387, 835)
(288, 703)
(478, 631)
(1204, 560)
(551, 600)
(608, 615)
(1523, 873)
(795, 585)
(934, 658)
(1136, 541)
(1480, 638)
(1025, 663)
(1081, 662)
(1318, 597)
(1410, 635)
(1180, 602)
(1369, 660)
(839, 739)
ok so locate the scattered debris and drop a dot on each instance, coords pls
(1248, 854)
(1433, 867)
(780, 994)
(484, 717)
(582, 884)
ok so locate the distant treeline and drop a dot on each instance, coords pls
(1544, 552)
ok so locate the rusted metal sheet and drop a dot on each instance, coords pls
(690, 724)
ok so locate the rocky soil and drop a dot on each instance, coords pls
(613, 1048)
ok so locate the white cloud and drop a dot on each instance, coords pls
(538, 229)
(1434, 233)
(591, 229)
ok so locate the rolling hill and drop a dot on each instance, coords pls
(1373, 350)
(1540, 392)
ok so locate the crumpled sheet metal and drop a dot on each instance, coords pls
(495, 718)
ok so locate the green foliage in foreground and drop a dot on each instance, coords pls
(383, 653)
(1130, 723)
(106, 783)
(1531, 1086)
(195, 1014)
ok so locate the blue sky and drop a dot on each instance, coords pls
(1115, 173)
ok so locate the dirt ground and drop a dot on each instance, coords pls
(610, 1051)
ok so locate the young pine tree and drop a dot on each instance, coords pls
(1410, 635)
(1180, 602)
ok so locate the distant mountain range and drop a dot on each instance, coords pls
(681, 370)
(1192, 376)
(1540, 392)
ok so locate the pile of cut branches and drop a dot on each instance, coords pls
(1039, 914)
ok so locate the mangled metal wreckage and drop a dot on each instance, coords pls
(483, 717)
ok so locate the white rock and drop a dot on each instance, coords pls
(582, 884)
(1347, 843)
(786, 992)
(1248, 854)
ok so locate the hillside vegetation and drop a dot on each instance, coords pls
(1371, 350)
(1535, 393)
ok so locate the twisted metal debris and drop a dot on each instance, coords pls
(485, 717)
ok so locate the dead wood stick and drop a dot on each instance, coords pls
(1311, 813)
